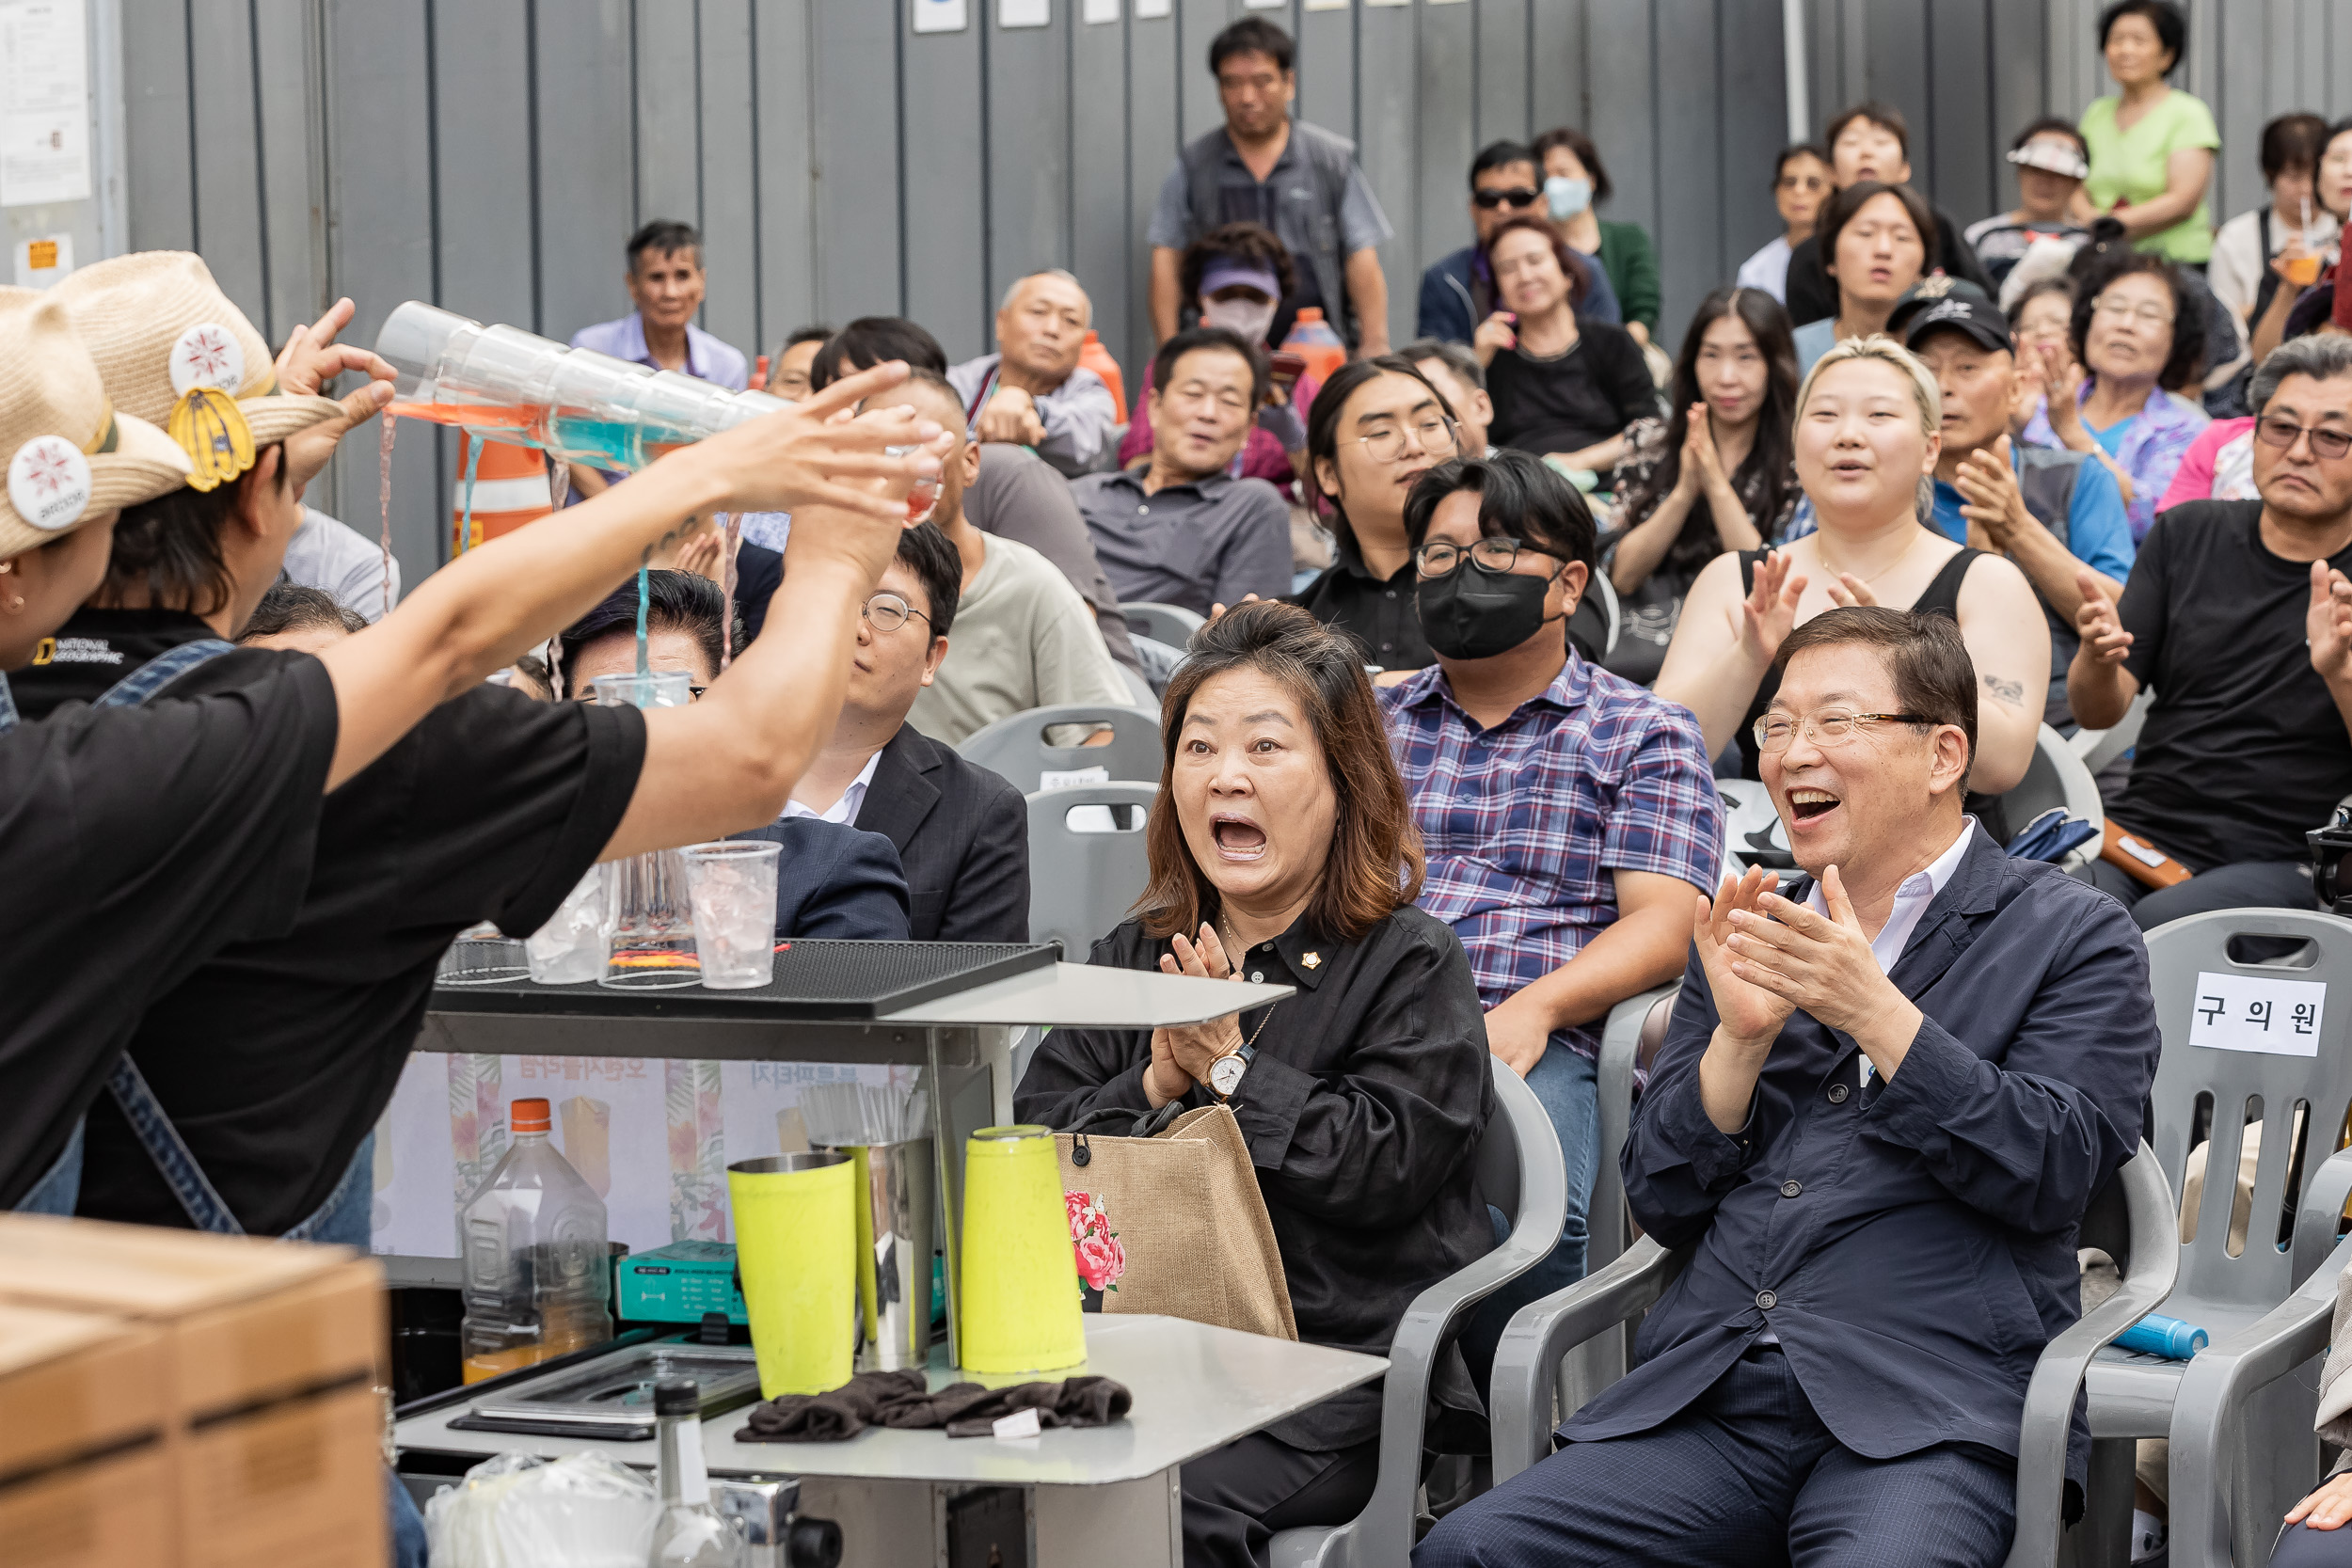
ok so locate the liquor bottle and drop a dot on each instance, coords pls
(692, 1533)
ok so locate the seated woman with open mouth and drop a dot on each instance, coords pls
(1868, 428)
(1282, 851)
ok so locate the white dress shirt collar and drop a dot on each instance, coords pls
(845, 810)
(1910, 899)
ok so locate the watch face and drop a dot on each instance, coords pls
(1225, 1073)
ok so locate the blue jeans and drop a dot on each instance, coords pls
(60, 1186)
(347, 1218)
(1565, 1083)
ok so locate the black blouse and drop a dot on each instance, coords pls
(1362, 1110)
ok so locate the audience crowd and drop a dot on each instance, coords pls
(1488, 626)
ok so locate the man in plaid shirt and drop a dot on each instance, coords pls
(1570, 816)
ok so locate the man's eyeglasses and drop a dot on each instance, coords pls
(1519, 195)
(1775, 731)
(1435, 433)
(1495, 555)
(2328, 445)
(889, 613)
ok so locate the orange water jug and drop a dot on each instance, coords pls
(1312, 340)
(1094, 356)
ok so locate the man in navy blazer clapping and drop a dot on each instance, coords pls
(1883, 1106)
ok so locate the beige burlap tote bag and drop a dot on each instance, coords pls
(1171, 1221)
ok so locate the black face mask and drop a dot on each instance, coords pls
(1472, 613)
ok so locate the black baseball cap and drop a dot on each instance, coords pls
(1959, 305)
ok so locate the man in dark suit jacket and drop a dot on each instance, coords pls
(834, 881)
(961, 833)
(1882, 1108)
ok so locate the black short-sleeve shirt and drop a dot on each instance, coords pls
(1581, 399)
(2243, 749)
(137, 843)
(277, 1056)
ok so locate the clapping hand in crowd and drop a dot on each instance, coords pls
(1769, 612)
(2100, 626)
(1702, 469)
(1180, 1054)
(1989, 499)
(2328, 625)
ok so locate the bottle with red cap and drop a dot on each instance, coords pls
(539, 1276)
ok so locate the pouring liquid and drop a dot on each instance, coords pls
(474, 444)
(384, 501)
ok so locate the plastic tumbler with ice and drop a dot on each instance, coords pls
(732, 883)
(569, 949)
(650, 945)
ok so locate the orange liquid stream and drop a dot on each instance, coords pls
(481, 414)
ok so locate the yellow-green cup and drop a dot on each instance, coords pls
(1020, 1298)
(796, 1246)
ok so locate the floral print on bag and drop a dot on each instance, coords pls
(1101, 1259)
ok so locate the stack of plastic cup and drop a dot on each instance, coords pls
(795, 1246)
(1018, 1303)
(651, 918)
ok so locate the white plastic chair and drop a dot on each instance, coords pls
(1086, 874)
(1172, 623)
(1016, 748)
(2097, 748)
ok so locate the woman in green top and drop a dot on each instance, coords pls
(1574, 183)
(2151, 146)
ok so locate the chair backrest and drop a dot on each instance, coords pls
(1753, 831)
(1015, 745)
(1141, 689)
(2057, 777)
(1606, 592)
(1171, 624)
(1082, 880)
(2097, 748)
(2235, 1047)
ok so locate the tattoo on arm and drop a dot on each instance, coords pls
(2011, 692)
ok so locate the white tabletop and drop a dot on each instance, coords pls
(1196, 1388)
(1088, 996)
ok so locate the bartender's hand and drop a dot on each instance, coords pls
(1181, 1056)
(802, 457)
(1823, 964)
(2328, 1508)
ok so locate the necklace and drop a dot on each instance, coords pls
(1235, 950)
(1835, 571)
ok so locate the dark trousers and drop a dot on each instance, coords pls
(2248, 885)
(1747, 1475)
(1237, 1496)
(2305, 1547)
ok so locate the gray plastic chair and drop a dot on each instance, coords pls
(1629, 1043)
(1172, 623)
(2275, 1459)
(1015, 747)
(2057, 777)
(2095, 749)
(1083, 883)
(2131, 1219)
(1520, 1172)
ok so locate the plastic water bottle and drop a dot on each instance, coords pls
(691, 1533)
(538, 1277)
(1312, 340)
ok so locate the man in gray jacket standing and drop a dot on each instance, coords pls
(1298, 179)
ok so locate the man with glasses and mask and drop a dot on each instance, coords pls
(1458, 291)
(961, 833)
(1570, 816)
(1885, 1099)
(1183, 529)
(2240, 617)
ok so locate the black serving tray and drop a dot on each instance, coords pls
(816, 981)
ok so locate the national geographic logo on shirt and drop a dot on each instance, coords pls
(76, 650)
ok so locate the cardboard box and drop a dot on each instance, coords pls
(300, 1484)
(108, 1514)
(244, 1320)
(73, 1383)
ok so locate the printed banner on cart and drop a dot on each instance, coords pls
(653, 1136)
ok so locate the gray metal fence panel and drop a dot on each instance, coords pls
(495, 154)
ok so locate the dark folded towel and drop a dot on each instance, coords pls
(903, 1400)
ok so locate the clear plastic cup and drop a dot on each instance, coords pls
(569, 949)
(924, 495)
(650, 941)
(732, 883)
(482, 961)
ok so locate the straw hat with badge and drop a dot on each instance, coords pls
(73, 460)
(174, 350)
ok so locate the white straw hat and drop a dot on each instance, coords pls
(174, 351)
(71, 456)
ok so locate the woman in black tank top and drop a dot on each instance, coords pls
(1864, 449)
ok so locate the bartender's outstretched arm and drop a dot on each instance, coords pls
(485, 608)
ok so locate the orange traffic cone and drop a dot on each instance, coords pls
(1094, 356)
(510, 488)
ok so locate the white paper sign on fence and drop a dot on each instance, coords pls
(2245, 1012)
